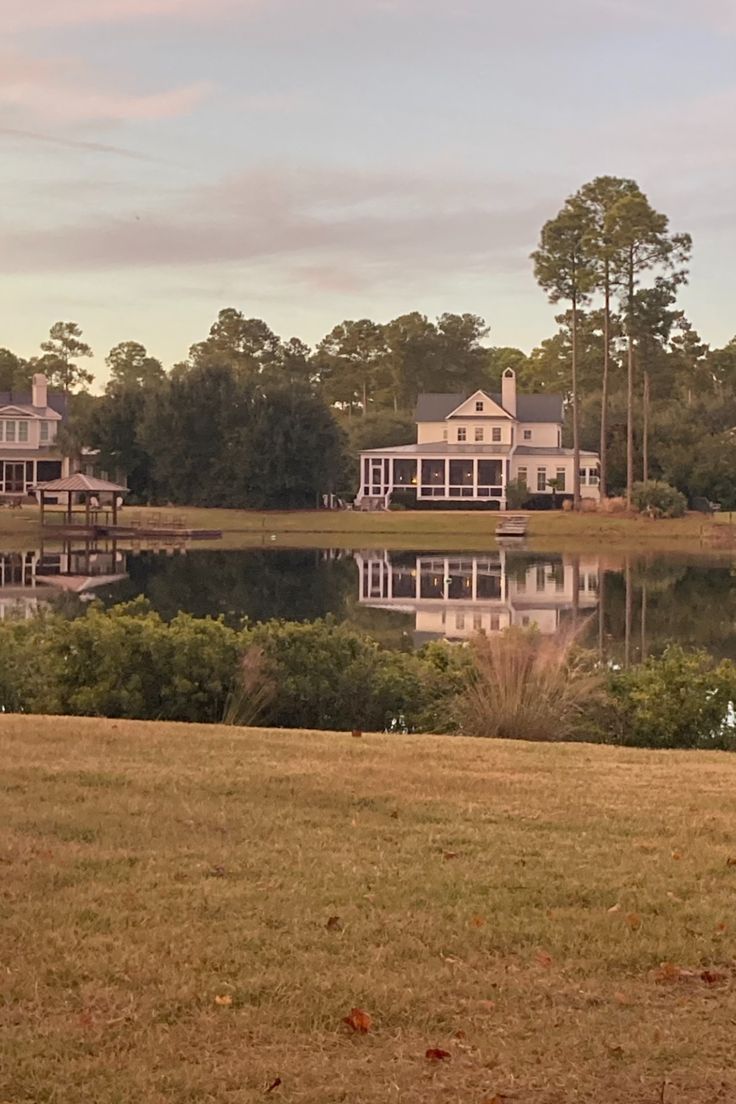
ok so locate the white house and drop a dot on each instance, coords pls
(470, 446)
(29, 422)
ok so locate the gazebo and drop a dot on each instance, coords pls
(87, 487)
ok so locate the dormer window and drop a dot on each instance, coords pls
(479, 406)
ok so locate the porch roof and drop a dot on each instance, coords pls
(80, 482)
(532, 450)
(440, 449)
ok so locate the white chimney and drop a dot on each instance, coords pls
(40, 391)
(508, 391)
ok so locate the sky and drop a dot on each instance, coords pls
(308, 161)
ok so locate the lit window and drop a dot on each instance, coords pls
(541, 479)
(522, 477)
(496, 434)
(23, 431)
(462, 434)
(527, 434)
(479, 406)
(479, 433)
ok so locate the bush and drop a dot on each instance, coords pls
(681, 699)
(329, 676)
(658, 500)
(525, 686)
(517, 494)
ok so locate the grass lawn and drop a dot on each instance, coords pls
(189, 913)
(448, 530)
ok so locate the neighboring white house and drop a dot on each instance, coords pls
(29, 422)
(453, 596)
(470, 446)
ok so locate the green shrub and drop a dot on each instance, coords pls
(517, 494)
(680, 699)
(658, 499)
(329, 676)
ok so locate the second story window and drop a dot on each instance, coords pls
(479, 433)
(496, 434)
(44, 433)
(527, 435)
(462, 434)
(22, 431)
(479, 406)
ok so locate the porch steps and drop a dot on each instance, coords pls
(515, 525)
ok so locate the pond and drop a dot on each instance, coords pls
(627, 605)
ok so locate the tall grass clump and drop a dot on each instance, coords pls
(253, 691)
(525, 686)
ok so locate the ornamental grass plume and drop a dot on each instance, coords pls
(525, 686)
(253, 691)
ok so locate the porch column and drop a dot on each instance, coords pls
(475, 477)
(447, 478)
(446, 580)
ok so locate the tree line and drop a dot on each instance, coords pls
(251, 418)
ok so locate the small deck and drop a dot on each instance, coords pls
(120, 531)
(514, 527)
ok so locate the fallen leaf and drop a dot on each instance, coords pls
(449, 854)
(667, 972)
(616, 1051)
(460, 1034)
(711, 977)
(356, 734)
(487, 1005)
(544, 959)
(731, 861)
(633, 921)
(677, 855)
(274, 1085)
(395, 814)
(615, 908)
(478, 921)
(225, 1000)
(436, 1054)
(623, 998)
(721, 928)
(217, 872)
(334, 923)
(359, 1021)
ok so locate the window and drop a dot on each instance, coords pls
(44, 432)
(444, 434)
(489, 473)
(541, 479)
(583, 477)
(496, 434)
(22, 431)
(522, 477)
(479, 433)
(479, 406)
(560, 477)
(10, 431)
(462, 434)
(527, 435)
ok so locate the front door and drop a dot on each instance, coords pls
(376, 477)
(14, 478)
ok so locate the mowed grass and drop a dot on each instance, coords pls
(410, 529)
(189, 913)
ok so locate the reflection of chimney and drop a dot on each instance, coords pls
(508, 391)
(40, 391)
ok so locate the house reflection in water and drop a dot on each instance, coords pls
(28, 580)
(453, 596)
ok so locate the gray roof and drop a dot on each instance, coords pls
(435, 407)
(530, 450)
(440, 449)
(57, 401)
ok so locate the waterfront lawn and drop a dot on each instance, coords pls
(188, 914)
(448, 530)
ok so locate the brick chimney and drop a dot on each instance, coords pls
(508, 391)
(40, 391)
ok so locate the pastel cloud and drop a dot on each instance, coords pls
(22, 15)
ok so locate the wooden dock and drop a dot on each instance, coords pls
(513, 526)
(164, 534)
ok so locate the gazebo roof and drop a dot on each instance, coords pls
(81, 482)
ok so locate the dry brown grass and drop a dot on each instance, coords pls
(149, 869)
(527, 686)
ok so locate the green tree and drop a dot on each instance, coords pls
(641, 242)
(63, 348)
(15, 373)
(131, 367)
(564, 269)
(247, 344)
(351, 361)
(599, 196)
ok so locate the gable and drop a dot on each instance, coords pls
(16, 412)
(468, 408)
(437, 406)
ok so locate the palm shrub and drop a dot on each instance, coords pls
(680, 699)
(658, 499)
(525, 686)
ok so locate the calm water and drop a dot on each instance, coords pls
(633, 604)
